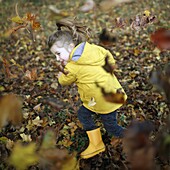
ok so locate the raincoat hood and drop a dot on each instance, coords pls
(89, 54)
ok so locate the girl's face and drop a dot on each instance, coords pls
(62, 54)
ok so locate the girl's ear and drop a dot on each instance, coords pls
(71, 47)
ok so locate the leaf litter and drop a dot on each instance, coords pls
(27, 71)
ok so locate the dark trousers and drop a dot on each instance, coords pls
(109, 120)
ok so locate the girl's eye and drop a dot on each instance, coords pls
(57, 53)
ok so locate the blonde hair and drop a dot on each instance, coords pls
(68, 31)
(61, 38)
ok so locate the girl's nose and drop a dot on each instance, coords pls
(57, 57)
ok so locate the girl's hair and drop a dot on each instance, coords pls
(72, 32)
(62, 38)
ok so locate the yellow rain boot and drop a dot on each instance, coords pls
(96, 144)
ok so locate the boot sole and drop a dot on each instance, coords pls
(92, 154)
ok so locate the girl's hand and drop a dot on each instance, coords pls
(60, 68)
(59, 74)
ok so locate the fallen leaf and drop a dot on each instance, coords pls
(23, 156)
(92, 102)
(26, 138)
(37, 107)
(37, 121)
(17, 20)
(10, 109)
(49, 140)
(9, 144)
(31, 75)
(88, 5)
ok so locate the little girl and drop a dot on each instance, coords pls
(83, 63)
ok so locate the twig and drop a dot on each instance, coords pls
(16, 9)
(18, 27)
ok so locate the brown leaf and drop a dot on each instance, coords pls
(115, 141)
(161, 38)
(35, 25)
(55, 103)
(161, 78)
(30, 17)
(108, 67)
(6, 67)
(31, 75)
(120, 22)
(118, 97)
(10, 107)
(106, 38)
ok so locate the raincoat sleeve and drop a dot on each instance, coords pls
(67, 79)
(111, 59)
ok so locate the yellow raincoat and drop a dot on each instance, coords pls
(85, 72)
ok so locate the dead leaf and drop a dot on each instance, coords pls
(88, 5)
(120, 23)
(35, 25)
(37, 107)
(49, 140)
(6, 67)
(108, 67)
(118, 97)
(17, 20)
(31, 75)
(30, 17)
(26, 138)
(10, 109)
(161, 38)
(92, 102)
(55, 103)
(23, 156)
(10, 144)
(106, 5)
(37, 121)
(106, 38)
(115, 141)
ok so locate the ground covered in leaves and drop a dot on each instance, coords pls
(27, 70)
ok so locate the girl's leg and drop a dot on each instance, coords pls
(85, 118)
(110, 124)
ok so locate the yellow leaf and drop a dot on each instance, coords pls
(29, 125)
(147, 13)
(17, 19)
(65, 142)
(157, 51)
(117, 54)
(22, 129)
(23, 156)
(136, 52)
(9, 144)
(3, 139)
(37, 121)
(92, 102)
(26, 138)
(25, 115)
(2, 88)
